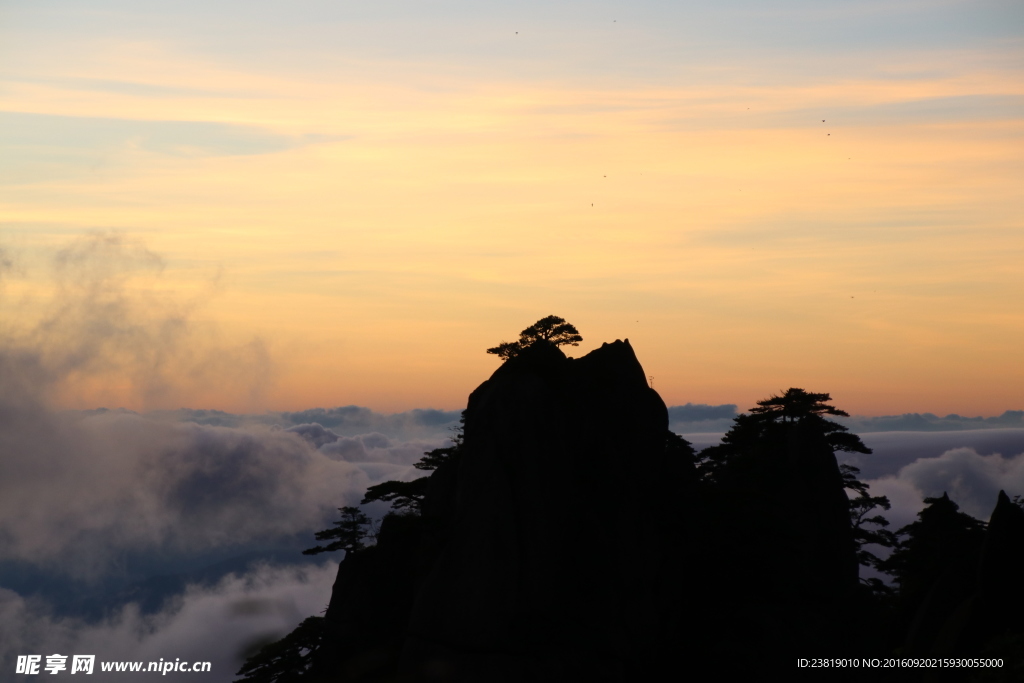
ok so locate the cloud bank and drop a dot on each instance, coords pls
(219, 624)
(701, 418)
(972, 476)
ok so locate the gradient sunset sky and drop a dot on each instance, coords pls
(268, 205)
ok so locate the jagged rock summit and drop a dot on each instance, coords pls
(547, 572)
(535, 557)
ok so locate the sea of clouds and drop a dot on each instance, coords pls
(138, 537)
(178, 534)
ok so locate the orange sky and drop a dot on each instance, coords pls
(341, 228)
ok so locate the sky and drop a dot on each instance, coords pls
(252, 254)
(326, 203)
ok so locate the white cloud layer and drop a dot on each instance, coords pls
(89, 488)
(894, 450)
(972, 480)
(216, 624)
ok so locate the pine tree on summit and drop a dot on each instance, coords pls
(767, 427)
(550, 329)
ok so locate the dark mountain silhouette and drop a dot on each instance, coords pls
(961, 584)
(549, 568)
(537, 553)
(568, 535)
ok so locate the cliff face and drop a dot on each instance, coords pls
(824, 565)
(551, 566)
(365, 622)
